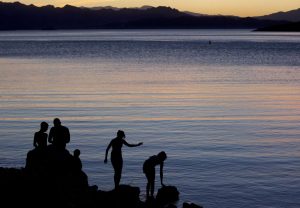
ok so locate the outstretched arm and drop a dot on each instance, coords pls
(132, 145)
(162, 173)
(106, 153)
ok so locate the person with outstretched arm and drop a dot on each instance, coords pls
(116, 155)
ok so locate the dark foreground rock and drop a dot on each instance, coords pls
(288, 27)
(190, 205)
(167, 195)
(53, 178)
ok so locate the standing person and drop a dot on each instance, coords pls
(149, 170)
(59, 135)
(40, 137)
(116, 154)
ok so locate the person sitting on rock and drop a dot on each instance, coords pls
(80, 178)
(77, 161)
(59, 135)
(40, 137)
(149, 170)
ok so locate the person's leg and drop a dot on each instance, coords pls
(151, 181)
(118, 166)
(147, 187)
(117, 178)
(152, 184)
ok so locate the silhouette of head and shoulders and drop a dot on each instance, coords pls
(40, 137)
(59, 135)
(77, 161)
(117, 142)
(154, 160)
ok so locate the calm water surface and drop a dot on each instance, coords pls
(227, 114)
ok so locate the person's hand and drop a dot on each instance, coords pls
(140, 143)
(105, 161)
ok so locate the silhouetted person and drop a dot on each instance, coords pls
(77, 162)
(79, 176)
(59, 135)
(149, 170)
(40, 137)
(116, 154)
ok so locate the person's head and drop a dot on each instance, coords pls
(56, 122)
(121, 134)
(162, 156)
(44, 126)
(76, 153)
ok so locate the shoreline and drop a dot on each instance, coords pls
(51, 178)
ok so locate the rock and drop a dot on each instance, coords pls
(167, 194)
(191, 205)
(124, 196)
(171, 206)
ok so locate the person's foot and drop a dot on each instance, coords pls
(150, 198)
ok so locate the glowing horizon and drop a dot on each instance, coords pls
(241, 8)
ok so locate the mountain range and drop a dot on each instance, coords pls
(292, 16)
(18, 16)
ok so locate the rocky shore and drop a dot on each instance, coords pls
(53, 178)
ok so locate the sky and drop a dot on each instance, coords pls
(241, 8)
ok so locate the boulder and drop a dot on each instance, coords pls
(191, 205)
(167, 194)
(123, 197)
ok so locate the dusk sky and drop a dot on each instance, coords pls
(226, 7)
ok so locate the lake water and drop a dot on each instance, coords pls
(226, 113)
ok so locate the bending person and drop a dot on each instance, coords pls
(116, 154)
(149, 170)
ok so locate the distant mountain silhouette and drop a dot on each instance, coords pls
(145, 7)
(292, 16)
(289, 27)
(102, 7)
(17, 16)
(195, 14)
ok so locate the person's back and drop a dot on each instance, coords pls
(116, 145)
(150, 163)
(40, 137)
(59, 135)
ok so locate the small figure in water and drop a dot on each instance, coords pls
(209, 42)
(116, 155)
(40, 137)
(149, 170)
